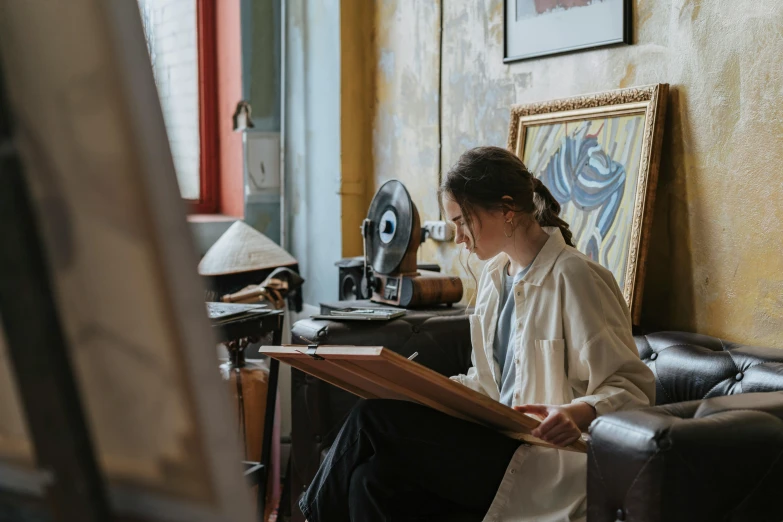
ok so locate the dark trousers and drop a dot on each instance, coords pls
(395, 460)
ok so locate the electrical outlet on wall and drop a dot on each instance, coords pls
(439, 230)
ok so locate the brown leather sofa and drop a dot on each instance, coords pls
(711, 449)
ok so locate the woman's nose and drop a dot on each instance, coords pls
(460, 237)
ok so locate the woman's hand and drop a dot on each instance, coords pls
(560, 425)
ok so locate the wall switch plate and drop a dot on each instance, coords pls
(439, 230)
(262, 162)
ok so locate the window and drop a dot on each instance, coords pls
(180, 38)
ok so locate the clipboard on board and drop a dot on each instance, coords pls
(374, 372)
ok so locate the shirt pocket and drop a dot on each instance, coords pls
(551, 372)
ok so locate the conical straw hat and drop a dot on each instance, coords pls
(242, 248)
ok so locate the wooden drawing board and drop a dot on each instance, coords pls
(374, 372)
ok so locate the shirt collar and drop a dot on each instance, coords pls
(543, 263)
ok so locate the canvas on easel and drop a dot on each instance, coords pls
(374, 372)
(89, 136)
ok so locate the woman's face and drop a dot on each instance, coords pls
(488, 238)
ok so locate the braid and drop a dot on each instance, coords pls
(547, 211)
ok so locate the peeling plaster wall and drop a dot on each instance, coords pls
(406, 119)
(312, 132)
(716, 257)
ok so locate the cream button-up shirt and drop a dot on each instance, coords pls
(573, 343)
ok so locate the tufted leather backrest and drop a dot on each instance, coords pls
(690, 366)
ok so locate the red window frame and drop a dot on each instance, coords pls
(209, 171)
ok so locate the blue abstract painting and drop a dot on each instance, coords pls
(592, 167)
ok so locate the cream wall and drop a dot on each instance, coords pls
(716, 259)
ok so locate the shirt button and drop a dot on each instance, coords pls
(519, 293)
(513, 471)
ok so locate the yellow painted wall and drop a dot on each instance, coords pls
(716, 260)
(357, 101)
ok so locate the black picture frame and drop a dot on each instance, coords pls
(627, 38)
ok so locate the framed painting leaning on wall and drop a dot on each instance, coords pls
(598, 154)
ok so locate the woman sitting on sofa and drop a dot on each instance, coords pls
(551, 336)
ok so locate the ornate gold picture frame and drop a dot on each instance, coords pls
(598, 154)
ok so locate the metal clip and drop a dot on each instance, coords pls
(311, 348)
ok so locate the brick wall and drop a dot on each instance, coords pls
(170, 26)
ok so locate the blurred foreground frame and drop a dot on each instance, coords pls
(84, 133)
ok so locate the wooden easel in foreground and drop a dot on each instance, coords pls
(111, 406)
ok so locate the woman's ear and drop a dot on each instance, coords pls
(507, 203)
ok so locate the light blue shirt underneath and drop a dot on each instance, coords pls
(504, 335)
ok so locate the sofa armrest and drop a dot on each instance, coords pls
(716, 459)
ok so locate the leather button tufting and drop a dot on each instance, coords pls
(620, 515)
(318, 438)
(653, 356)
(738, 376)
(416, 328)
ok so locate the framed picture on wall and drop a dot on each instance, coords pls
(535, 28)
(598, 154)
